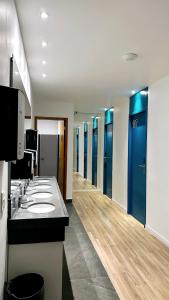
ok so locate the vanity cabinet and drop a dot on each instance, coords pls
(35, 242)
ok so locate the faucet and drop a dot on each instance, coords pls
(22, 195)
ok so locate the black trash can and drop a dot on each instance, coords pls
(25, 287)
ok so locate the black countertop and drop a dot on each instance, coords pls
(27, 227)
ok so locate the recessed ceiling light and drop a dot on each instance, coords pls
(130, 56)
(133, 92)
(43, 62)
(44, 75)
(44, 15)
(144, 93)
(44, 44)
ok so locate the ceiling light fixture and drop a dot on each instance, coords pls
(44, 75)
(130, 56)
(43, 62)
(145, 93)
(44, 15)
(44, 44)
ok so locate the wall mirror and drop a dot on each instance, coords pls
(16, 82)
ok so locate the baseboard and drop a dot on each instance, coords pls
(157, 235)
(68, 200)
(120, 205)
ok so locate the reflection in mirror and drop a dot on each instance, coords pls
(19, 169)
(16, 82)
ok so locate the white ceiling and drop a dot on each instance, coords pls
(86, 41)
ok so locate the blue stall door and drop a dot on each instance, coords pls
(77, 151)
(85, 155)
(94, 156)
(108, 150)
(137, 166)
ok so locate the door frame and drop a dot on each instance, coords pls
(138, 104)
(65, 145)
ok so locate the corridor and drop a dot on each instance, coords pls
(136, 262)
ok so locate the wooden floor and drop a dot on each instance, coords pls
(80, 183)
(136, 262)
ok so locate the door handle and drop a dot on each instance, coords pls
(141, 166)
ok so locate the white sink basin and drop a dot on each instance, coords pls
(41, 208)
(14, 188)
(43, 186)
(42, 195)
(42, 181)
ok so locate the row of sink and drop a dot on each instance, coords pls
(36, 195)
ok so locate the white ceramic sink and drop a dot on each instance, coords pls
(14, 188)
(42, 181)
(43, 186)
(42, 195)
(41, 208)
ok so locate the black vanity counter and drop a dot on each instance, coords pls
(26, 227)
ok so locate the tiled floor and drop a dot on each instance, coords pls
(87, 275)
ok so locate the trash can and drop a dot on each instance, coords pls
(26, 286)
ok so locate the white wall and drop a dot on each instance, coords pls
(158, 159)
(51, 108)
(120, 152)
(10, 43)
(49, 127)
(100, 160)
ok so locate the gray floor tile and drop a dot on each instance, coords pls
(88, 277)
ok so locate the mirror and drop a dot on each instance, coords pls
(16, 82)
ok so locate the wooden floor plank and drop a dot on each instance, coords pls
(80, 183)
(137, 263)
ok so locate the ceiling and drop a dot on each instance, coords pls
(86, 40)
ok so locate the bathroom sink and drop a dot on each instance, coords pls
(42, 181)
(41, 208)
(43, 186)
(41, 195)
(14, 188)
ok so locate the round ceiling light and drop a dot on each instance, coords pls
(44, 15)
(130, 56)
(44, 44)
